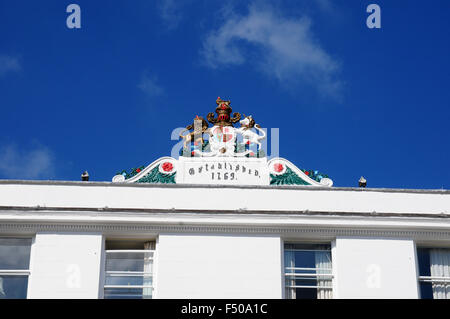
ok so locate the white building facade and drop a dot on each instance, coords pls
(370, 240)
(222, 222)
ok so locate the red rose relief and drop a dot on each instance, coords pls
(278, 167)
(167, 167)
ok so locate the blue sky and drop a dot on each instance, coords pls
(348, 100)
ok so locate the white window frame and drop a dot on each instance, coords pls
(129, 273)
(19, 272)
(434, 279)
(289, 273)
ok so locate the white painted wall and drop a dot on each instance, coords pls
(65, 265)
(218, 266)
(374, 268)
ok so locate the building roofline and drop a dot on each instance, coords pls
(274, 187)
(300, 212)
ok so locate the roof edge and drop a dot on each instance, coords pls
(274, 187)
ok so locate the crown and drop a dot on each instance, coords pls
(223, 111)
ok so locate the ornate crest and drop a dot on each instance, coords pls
(222, 137)
(223, 154)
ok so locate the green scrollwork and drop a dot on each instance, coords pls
(134, 172)
(156, 177)
(288, 178)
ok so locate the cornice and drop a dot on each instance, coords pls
(287, 232)
(96, 210)
(272, 187)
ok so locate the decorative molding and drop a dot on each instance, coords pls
(300, 231)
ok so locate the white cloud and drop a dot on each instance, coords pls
(170, 13)
(8, 64)
(149, 86)
(26, 164)
(281, 47)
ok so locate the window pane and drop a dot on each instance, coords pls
(423, 256)
(426, 290)
(129, 261)
(309, 259)
(126, 293)
(305, 259)
(128, 280)
(15, 253)
(13, 287)
(311, 281)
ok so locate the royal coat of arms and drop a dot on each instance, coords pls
(222, 136)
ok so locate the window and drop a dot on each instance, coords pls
(308, 273)
(434, 273)
(129, 270)
(14, 267)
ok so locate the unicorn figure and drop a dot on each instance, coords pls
(246, 130)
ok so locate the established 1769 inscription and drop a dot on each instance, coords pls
(222, 171)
